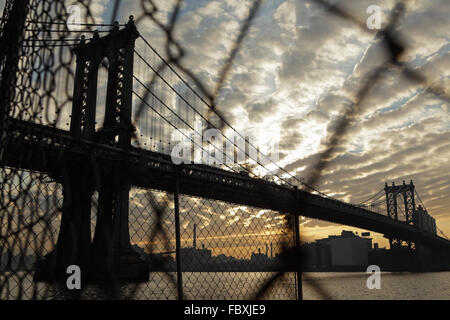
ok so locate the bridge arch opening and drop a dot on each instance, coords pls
(102, 82)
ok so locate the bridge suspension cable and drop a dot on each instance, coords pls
(68, 31)
(194, 109)
(46, 23)
(423, 206)
(176, 115)
(420, 200)
(442, 233)
(227, 123)
(375, 196)
(377, 203)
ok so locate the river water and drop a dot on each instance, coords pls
(233, 285)
(394, 286)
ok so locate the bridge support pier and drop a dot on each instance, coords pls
(109, 259)
(111, 245)
(73, 246)
(432, 259)
(403, 258)
(415, 256)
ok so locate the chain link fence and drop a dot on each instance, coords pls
(225, 250)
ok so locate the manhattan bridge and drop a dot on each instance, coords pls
(86, 117)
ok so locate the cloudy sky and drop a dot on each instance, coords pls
(297, 70)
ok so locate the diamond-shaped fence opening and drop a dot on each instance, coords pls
(152, 235)
(229, 250)
(29, 229)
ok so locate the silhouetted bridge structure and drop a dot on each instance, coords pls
(48, 146)
(81, 157)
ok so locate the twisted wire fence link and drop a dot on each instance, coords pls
(228, 250)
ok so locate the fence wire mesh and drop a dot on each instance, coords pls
(51, 179)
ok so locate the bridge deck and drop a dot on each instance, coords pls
(47, 148)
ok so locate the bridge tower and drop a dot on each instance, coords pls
(392, 193)
(110, 253)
